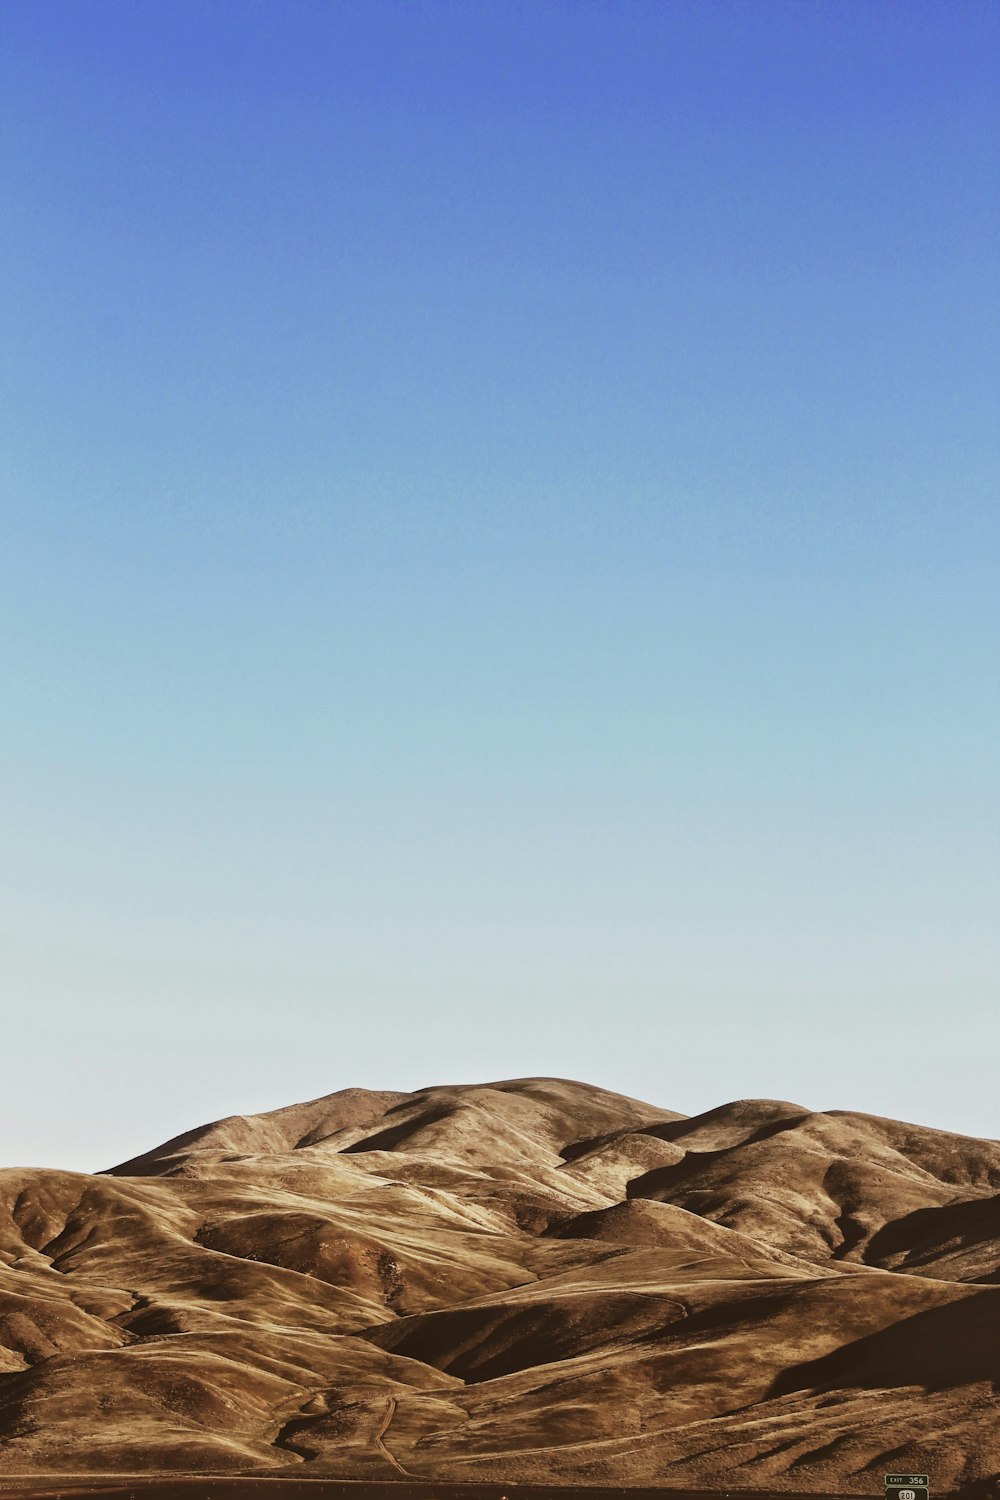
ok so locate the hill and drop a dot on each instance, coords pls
(527, 1282)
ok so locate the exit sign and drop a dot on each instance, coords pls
(907, 1487)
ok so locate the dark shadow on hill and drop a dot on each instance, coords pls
(957, 1344)
(395, 1135)
(923, 1236)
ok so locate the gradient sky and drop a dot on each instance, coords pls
(500, 556)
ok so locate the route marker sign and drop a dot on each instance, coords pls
(907, 1487)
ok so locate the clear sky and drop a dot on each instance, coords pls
(500, 556)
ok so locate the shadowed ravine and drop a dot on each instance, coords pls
(528, 1283)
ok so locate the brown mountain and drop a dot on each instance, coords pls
(532, 1281)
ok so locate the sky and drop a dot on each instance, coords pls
(500, 556)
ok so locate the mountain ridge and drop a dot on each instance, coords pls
(527, 1281)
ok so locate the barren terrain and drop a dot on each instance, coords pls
(532, 1282)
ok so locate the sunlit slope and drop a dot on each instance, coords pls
(533, 1280)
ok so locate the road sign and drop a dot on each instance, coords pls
(907, 1487)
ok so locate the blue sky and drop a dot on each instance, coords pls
(500, 556)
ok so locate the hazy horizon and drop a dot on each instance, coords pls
(500, 557)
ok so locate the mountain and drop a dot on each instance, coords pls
(530, 1281)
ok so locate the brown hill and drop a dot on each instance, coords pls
(532, 1281)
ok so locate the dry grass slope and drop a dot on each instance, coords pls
(532, 1281)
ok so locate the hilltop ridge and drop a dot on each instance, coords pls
(533, 1280)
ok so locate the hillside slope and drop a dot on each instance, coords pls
(528, 1281)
